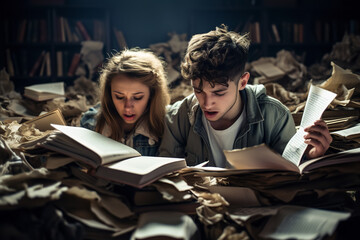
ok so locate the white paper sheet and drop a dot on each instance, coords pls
(317, 102)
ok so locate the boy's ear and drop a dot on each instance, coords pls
(243, 80)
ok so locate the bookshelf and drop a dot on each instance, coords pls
(307, 28)
(41, 42)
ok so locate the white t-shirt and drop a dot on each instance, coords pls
(223, 139)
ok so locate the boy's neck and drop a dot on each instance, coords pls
(225, 123)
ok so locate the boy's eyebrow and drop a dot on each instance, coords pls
(219, 90)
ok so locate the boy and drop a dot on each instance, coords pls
(224, 112)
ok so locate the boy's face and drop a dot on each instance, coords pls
(220, 104)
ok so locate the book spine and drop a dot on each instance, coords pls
(83, 30)
(43, 31)
(22, 31)
(59, 61)
(37, 64)
(74, 64)
(62, 30)
(275, 32)
(9, 63)
(69, 35)
(48, 64)
(120, 39)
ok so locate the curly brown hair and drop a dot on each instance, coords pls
(217, 57)
(141, 65)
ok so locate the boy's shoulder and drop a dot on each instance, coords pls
(259, 93)
(184, 111)
(185, 104)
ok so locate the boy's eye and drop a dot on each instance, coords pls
(219, 94)
(197, 91)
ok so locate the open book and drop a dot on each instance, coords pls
(111, 159)
(261, 157)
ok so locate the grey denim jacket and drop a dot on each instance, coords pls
(268, 121)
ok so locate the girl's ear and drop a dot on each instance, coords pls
(243, 80)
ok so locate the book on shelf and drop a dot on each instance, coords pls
(29, 29)
(66, 62)
(74, 64)
(275, 32)
(43, 31)
(23, 57)
(37, 64)
(15, 61)
(59, 63)
(120, 38)
(67, 30)
(60, 29)
(9, 63)
(22, 31)
(42, 66)
(48, 64)
(99, 30)
(45, 91)
(301, 33)
(257, 32)
(77, 34)
(110, 159)
(85, 34)
(35, 31)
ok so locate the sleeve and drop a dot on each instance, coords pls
(88, 119)
(175, 134)
(282, 130)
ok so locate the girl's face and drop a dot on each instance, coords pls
(130, 98)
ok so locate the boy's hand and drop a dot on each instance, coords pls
(318, 139)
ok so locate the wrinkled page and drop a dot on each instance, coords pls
(295, 222)
(349, 131)
(317, 102)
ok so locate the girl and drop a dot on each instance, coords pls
(133, 99)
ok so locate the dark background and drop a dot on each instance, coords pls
(145, 22)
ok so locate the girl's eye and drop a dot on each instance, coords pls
(138, 98)
(119, 98)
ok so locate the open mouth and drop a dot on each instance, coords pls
(210, 114)
(129, 116)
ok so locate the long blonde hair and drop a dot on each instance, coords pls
(145, 67)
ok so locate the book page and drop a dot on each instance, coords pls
(55, 88)
(91, 142)
(355, 130)
(42, 122)
(317, 102)
(258, 157)
(165, 225)
(295, 222)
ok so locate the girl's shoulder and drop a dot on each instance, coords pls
(88, 118)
